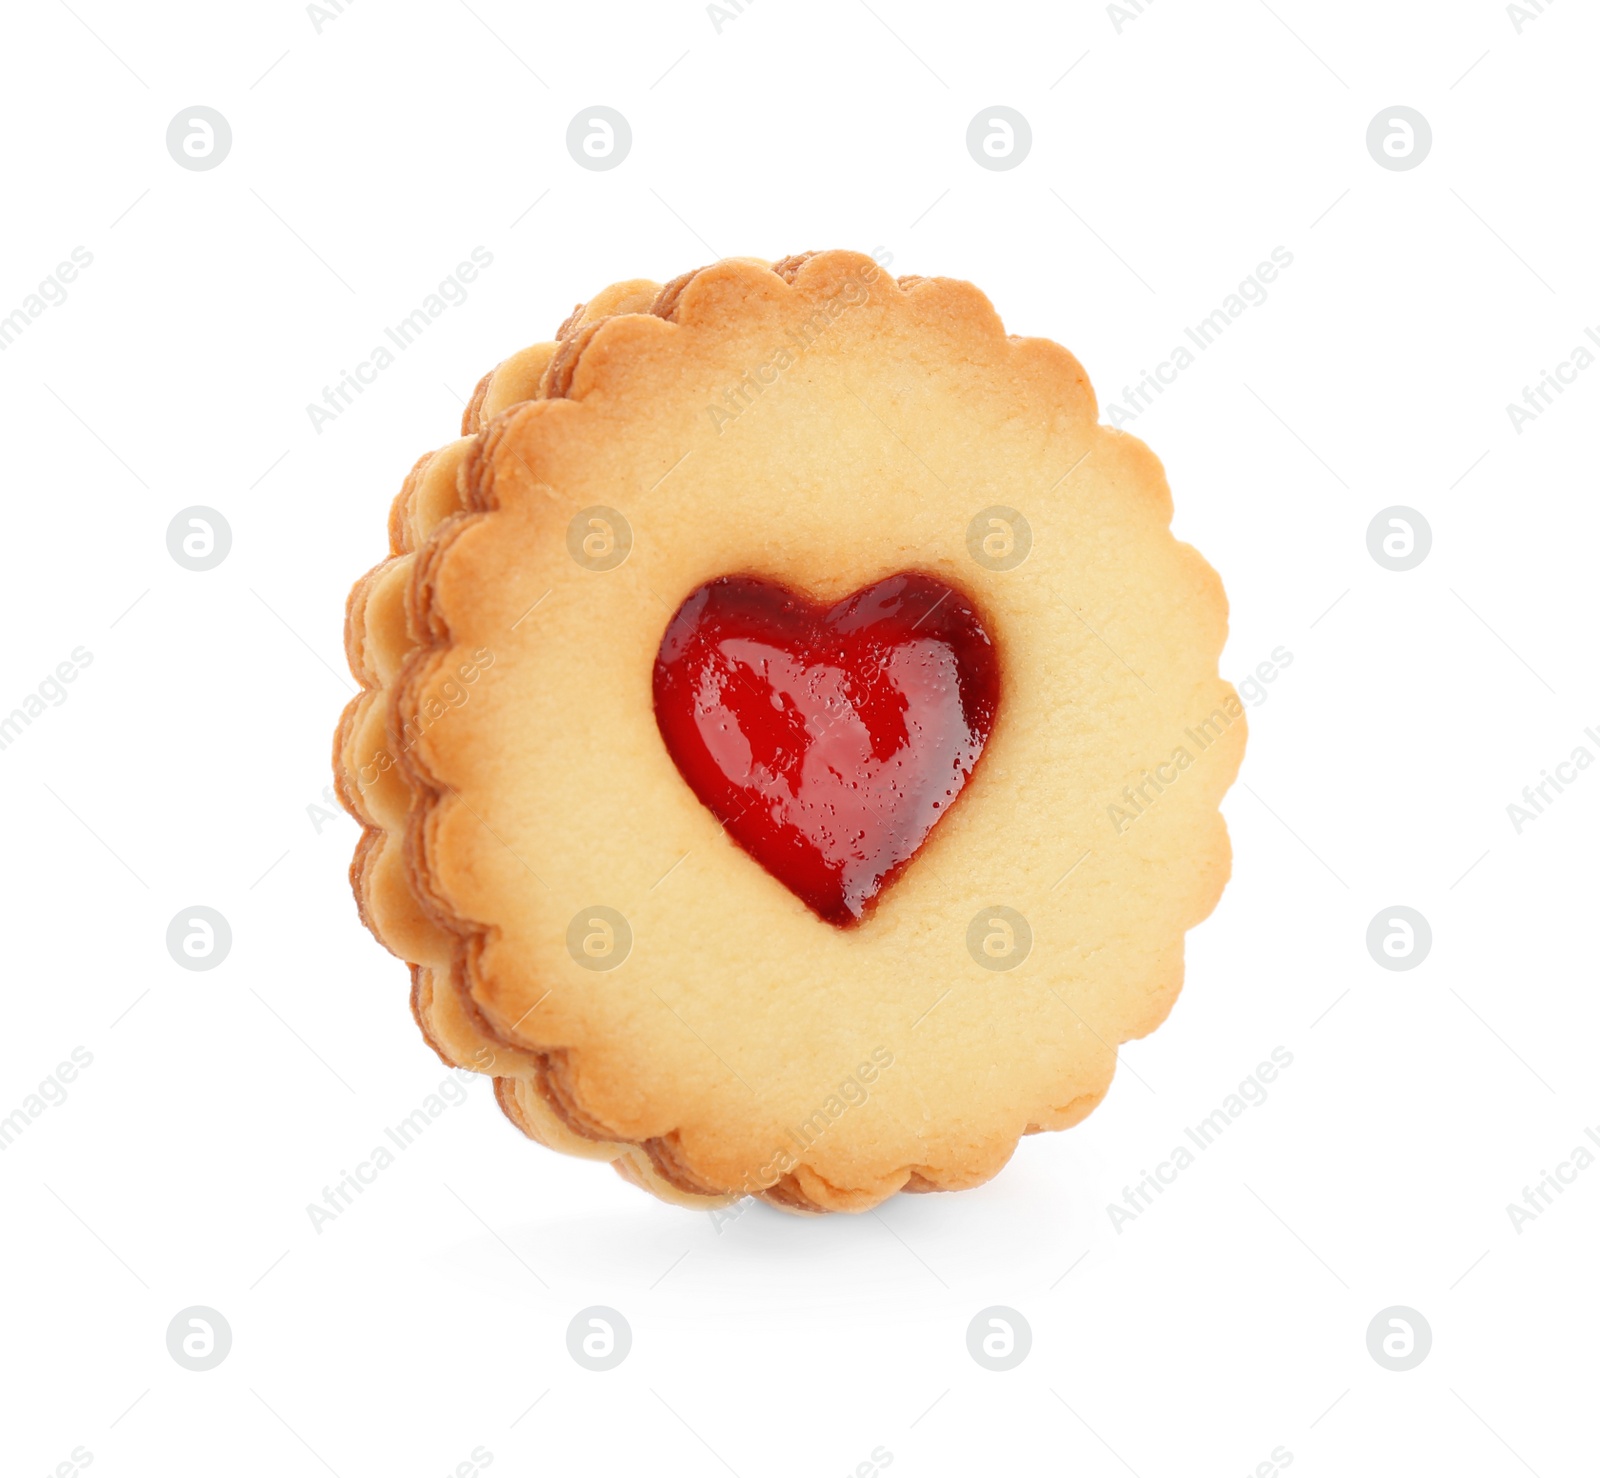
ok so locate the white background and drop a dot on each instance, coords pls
(1230, 1318)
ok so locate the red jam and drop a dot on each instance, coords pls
(828, 741)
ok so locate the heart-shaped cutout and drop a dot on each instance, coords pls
(829, 741)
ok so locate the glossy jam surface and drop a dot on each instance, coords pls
(828, 741)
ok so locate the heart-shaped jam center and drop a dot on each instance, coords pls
(829, 741)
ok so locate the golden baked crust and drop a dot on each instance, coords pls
(379, 637)
(816, 423)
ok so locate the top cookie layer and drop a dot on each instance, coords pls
(820, 426)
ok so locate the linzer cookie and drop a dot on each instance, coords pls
(774, 750)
